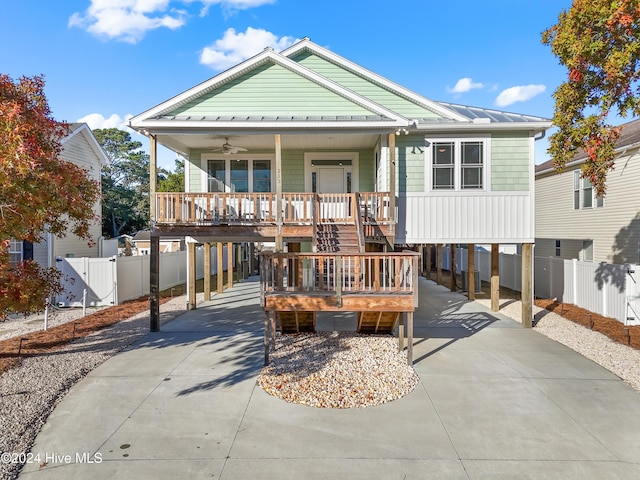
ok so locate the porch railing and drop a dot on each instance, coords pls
(358, 273)
(214, 208)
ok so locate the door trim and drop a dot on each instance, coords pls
(309, 157)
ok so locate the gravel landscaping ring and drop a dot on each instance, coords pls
(337, 370)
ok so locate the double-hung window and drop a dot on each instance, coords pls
(583, 193)
(458, 164)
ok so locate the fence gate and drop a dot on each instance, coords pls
(632, 288)
(97, 275)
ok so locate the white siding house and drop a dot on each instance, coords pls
(81, 148)
(571, 222)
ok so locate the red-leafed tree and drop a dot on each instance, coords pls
(599, 43)
(39, 192)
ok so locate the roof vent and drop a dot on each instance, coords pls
(481, 120)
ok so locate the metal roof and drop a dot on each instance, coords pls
(496, 116)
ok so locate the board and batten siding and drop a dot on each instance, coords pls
(363, 86)
(270, 90)
(613, 228)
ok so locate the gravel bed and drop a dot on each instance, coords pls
(337, 370)
(622, 360)
(31, 391)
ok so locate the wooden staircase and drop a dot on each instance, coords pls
(337, 238)
(296, 321)
(377, 322)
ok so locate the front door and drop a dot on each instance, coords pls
(332, 180)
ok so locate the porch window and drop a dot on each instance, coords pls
(458, 164)
(217, 175)
(15, 252)
(239, 175)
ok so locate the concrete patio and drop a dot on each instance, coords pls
(494, 400)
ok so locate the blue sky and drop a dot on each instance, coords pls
(106, 60)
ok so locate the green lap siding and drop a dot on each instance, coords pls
(510, 162)
(410, 160)
(270, 90)
(364, 87)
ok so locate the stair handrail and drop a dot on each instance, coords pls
(359, 225)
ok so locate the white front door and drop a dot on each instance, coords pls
(332, 180)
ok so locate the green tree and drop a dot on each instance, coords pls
(175, 180)
(125, 183)
(39, 191)
(599, 43)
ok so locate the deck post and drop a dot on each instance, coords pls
(220, 273)
(392, 176)
(153, 175)
(495, 277)
(527, 285)
(154, 284)
(229, 264)
(471, 266)
(439, 263)
(278, 147)
(401, 333)
(452, 267)
(207, 272)
(427, 271)
(191, 256)
(267, 324)
(409, 321)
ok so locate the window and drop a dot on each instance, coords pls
(583, 193)
(239, 175)
(458, 164)
(557, 248)
(587, 251)
(15, 252)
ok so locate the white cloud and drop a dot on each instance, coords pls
(230, 6)
(234, 47)
(127, 20)
(520, 93)
(97, 120)
(464, 85)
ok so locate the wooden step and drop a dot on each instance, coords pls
(296, 322)
(377, 322)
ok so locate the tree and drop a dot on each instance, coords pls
(175, 180)
(39, 191)
(125, 183)
(599, 43)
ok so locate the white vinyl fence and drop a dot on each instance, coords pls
(607, 289)
(111, 281)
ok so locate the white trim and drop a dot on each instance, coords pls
(457, 140)
(309, 157)
(139, 121)
(205, 157)
(87, 133)
(171, 126)
(374, 77)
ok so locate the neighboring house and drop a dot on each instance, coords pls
(142, 243)
(572, 222)
(81, 148)
(311, 151)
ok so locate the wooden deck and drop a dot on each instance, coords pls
(379, 286)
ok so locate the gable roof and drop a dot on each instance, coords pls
(361, 98)
(83, 130)
(629, 138)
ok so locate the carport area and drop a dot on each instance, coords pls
(495, 400)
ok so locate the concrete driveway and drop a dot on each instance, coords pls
(494, 401)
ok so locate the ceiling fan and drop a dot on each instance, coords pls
(228, 149)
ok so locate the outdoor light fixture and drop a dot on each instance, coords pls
(402, 131)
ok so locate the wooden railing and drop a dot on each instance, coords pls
(214, 208)
(362, 273)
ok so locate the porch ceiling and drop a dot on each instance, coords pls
(266, 142)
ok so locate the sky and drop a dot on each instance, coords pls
(107, 60)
